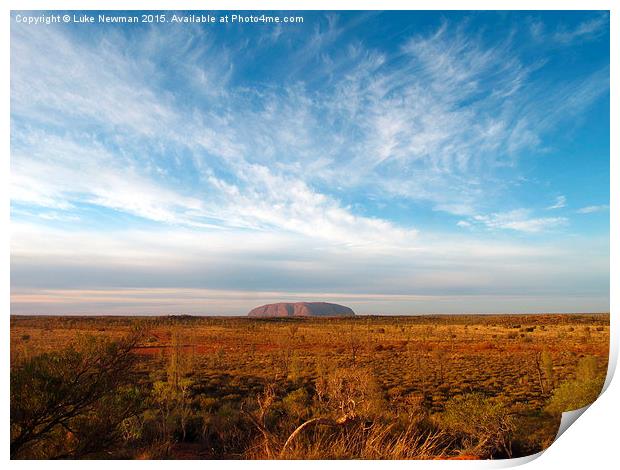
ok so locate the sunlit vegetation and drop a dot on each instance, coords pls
(365, 387)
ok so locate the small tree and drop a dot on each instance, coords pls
(439, 355)
(547, 366)
(353, 393)
(172, 396)
(259, 418)
(544, 370)
(354, 344)
(292, 331)
(71, 403)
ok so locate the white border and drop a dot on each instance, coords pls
(592, 442)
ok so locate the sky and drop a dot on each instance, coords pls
(396, 162)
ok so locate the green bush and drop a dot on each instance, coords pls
(297, 404)
(580, 392)
(72, 403)
(482, 425)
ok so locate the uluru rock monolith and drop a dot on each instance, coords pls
(301, 309)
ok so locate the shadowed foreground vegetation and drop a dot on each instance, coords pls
(367, 387)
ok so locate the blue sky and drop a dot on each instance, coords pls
(397, 162)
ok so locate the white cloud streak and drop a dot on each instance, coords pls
(592, 209)
(265, 262)
(519, 220)
(584, 31)
(560, 202)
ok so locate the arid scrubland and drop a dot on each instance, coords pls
(424, 387)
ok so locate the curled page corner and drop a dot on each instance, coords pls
(516, 461)
(611, 365)
(568, 418)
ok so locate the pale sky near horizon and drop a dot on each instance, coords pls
(395, 162)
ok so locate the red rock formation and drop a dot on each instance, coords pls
(301, 309)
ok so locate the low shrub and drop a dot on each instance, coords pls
(481, 425)
(580, 392)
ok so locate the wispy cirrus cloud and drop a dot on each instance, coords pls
(592, 209)
(585, 30)
(415, 139)
(560, 202)
(336, 158)
(520, 220)
(564, 34)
